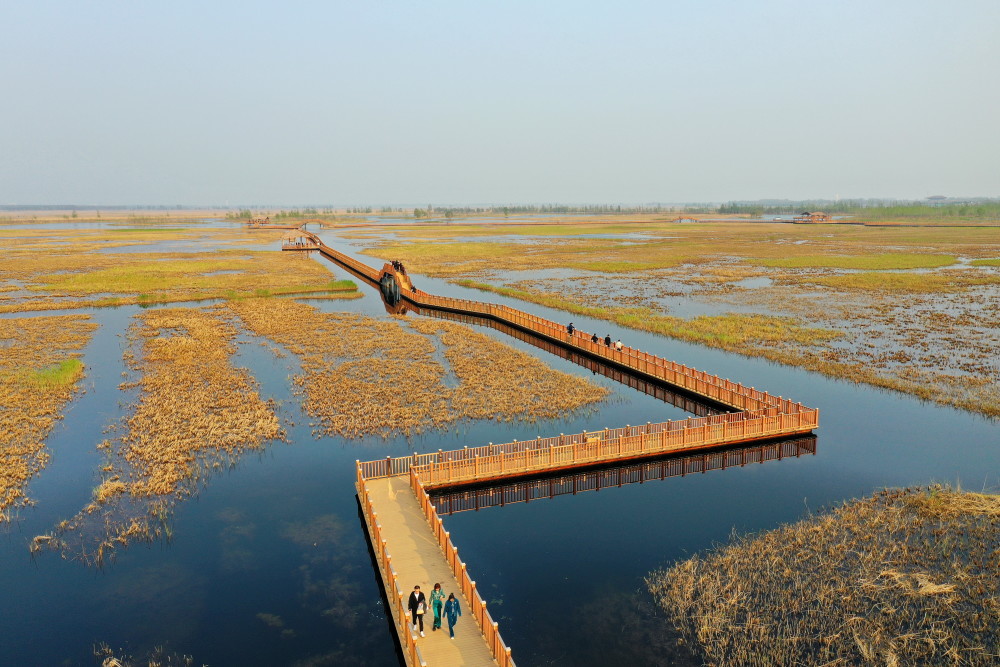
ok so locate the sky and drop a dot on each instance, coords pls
(382, 102)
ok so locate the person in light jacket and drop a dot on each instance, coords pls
(452, 610)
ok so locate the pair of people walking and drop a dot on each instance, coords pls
(449, 608)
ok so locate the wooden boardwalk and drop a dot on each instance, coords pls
(407, 535)
(417, 560)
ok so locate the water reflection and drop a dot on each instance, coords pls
(595, 479)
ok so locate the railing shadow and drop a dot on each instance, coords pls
(389, 616)
(541, 487)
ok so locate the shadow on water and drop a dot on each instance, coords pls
(687, 401)
(540, 487)
(390, 624)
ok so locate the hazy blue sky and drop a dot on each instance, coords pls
(377, 102)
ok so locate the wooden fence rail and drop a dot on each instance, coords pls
(489, 627)
(395, 596)
(526, 456)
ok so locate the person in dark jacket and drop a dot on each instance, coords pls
(417, 606)
(452, 610)
(594, 338)
(570, 328)
(607, 340)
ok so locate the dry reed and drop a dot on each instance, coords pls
(365, 376)
(196, 414)
(903, 577)
(39, 373)
(833, 298)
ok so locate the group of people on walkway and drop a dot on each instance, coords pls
(570, 329)
(449, 608)
(398, 265)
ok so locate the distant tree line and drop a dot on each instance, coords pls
(871, 209)
(522, 209)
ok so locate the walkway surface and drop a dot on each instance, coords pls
(418, 559)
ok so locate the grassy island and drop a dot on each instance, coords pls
(904, 577)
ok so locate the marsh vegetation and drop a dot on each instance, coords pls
(903, 577)
(40, 370)
(913, 309)
(196, 414)
(364, 376)
(46, 280)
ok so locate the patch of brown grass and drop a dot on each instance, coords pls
(196, 409)
(33, 393)
(903, 577)
(365, 376)
(196, 414)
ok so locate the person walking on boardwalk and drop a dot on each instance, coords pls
(618, 344)
(570, 328)
(594, 338)
(437, 604)
(417, 605)
(452, 610)
(607, 340)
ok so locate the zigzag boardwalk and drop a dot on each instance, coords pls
(407, 536)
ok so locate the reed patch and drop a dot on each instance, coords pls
(732, 331)
(34, 390)
(916, 283)
(362, 376)
(904, 577)
(878, 305)
(878, 261)
(196, 414)
(76, 269)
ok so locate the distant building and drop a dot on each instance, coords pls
(812, 216)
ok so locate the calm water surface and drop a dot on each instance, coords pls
(268, 564)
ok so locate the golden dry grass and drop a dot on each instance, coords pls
(735, 332)
(58, 269)
(365, 376)
(39, 373)
(499, 382)
(195, 409)
(904, 577)
(832, 298)
(69, 279)
(196, 414)
(665, 245)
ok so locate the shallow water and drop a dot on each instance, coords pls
(269, 564)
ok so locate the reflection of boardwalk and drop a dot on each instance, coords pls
(417, 560)
(618, 476)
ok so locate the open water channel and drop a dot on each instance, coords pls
(269, 565)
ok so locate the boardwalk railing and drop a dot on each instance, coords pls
(456, 466)
(489, 627)
(397, 602)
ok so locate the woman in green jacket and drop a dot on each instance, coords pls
(437, 604)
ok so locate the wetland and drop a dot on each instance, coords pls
(188, 486)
